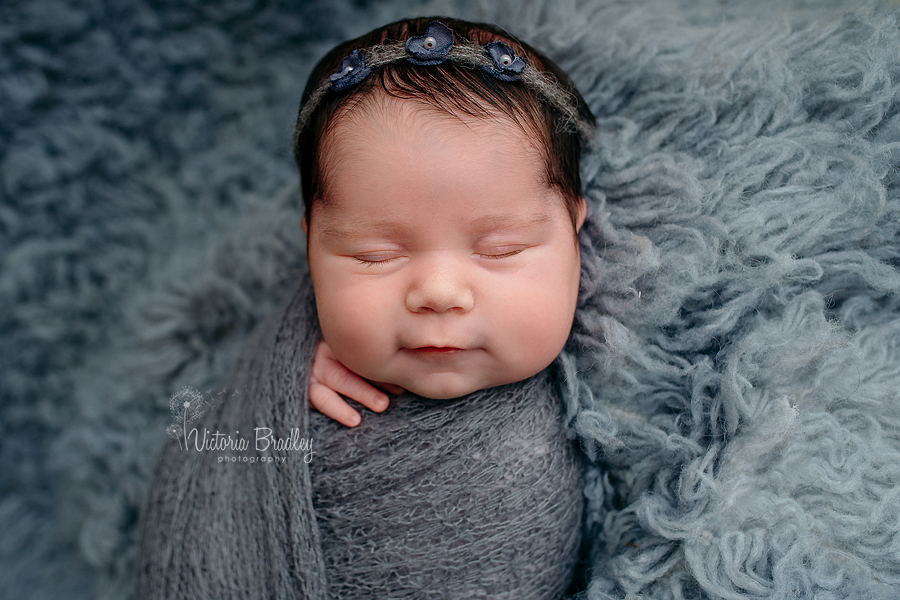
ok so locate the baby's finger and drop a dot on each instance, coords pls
(327, 402)
(344, 381)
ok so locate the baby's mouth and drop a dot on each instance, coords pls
(437, 350)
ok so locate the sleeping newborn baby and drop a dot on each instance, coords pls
(439, 163)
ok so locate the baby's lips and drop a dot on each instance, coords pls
(438, 350)
(437, 353)
(436, 347)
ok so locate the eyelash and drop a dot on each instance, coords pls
(502, 255)
(371, 263)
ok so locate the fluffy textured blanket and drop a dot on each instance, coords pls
(736, 380)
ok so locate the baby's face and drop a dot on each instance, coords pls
(441, 261)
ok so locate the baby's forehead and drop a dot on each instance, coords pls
(417, 135)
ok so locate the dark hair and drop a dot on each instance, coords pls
(456, 89)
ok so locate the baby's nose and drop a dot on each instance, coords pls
(440, 286)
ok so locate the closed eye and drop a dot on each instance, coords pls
(501, 253)
(371, 260)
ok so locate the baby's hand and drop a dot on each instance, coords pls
(329, 378)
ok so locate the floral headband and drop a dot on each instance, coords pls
(436, 46)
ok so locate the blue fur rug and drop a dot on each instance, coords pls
(742, 408)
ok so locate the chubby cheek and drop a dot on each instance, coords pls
(537, 314)
(540, 332)
(353, 323)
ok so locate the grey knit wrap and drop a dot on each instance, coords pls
(474, 497)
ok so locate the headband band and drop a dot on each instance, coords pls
(439, 44)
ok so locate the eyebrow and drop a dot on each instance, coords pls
(512, 220)
(362, 228)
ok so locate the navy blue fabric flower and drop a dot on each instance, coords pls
(431, 48)
(353, 70)
(507, 65)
